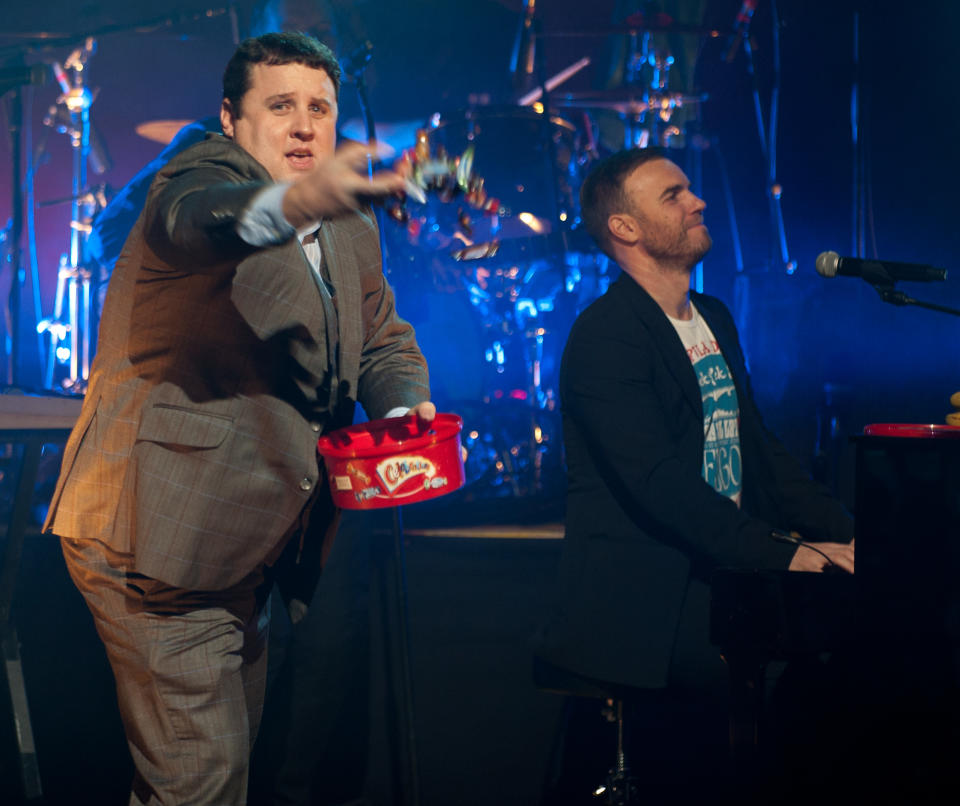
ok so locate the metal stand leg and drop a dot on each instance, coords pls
(620, 788)
(29, 768)
(406, 672)
(746, 707)
(391, 573)
(73, 283)
(74, 279)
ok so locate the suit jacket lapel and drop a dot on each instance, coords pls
(665, 339)
(345, 276)
(727, 341)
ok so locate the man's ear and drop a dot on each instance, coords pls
(226, 117)
(624, 227)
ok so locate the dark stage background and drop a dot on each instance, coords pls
(827, 356)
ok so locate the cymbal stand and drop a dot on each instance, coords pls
(12, 236)
(69, 339)
(650, 124)
(636, 135)
(537, 402)
(768, 133)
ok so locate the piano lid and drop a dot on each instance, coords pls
(914, 430)
(38, 412)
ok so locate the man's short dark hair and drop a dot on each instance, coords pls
(275, 48)
(602, 195)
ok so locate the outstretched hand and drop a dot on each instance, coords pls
(339, 184)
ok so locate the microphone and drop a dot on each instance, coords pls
(35, 74)
(877, 272)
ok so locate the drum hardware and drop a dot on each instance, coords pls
(497, 339)
(647, 116)
(647, 111)
(523, 55)
(74, 282)
(69, 339)
(512, 451)
(161, 131)
(396, 134)
(553, 82)
(662, 24)
(630, 101)
(94, 199)
(476, 251)
(767, 134)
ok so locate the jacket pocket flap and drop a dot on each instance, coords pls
(172, 425)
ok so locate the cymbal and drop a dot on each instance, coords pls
(625, 29)
(625, 101)
(161, 131)
(398, 134)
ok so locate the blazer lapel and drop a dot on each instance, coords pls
(665, 339)
(727, 340)
(345, 277)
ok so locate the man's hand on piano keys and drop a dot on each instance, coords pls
(823, 556)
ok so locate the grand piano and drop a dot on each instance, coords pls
(889, 634)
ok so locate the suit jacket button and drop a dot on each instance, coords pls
(306, 484)
(315, 427)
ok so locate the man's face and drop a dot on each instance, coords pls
(670, 216)
(288, 118)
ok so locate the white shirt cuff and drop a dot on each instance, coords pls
(263, 222)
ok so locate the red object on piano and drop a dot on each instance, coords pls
(915, 430)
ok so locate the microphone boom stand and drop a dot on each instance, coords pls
(890, 294)
(15, 125)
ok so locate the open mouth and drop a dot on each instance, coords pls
(301, 159)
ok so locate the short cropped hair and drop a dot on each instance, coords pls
(275, 48)
(602, 194)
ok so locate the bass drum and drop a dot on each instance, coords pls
(531, 162)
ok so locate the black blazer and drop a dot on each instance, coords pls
(641, 521)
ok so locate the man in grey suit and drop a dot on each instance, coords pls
(247, 315)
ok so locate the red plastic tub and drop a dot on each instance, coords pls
(400, 460)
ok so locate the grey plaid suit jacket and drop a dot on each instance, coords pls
(218, 366)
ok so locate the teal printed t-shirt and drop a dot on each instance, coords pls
(722, 468)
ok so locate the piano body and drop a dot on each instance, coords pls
(896, 622)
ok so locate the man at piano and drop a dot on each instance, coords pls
(246, 316)
(671, 471)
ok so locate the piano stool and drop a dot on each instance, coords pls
(620, 787)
